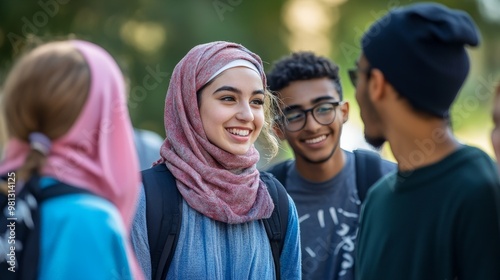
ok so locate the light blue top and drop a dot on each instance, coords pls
(208, 249)
(82, 237)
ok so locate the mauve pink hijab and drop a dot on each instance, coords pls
(98, 152)
(220, 185)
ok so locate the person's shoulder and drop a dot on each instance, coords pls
(278, 166)
(471, 173)
(386, 166)
(472, 151)
(83, 207)
(472, 158)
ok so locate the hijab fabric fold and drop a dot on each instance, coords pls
(216, 183)
(98, 152)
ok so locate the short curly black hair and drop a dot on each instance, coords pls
(301, 66)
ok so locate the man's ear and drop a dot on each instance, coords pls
(344, 108)
(278, 130)
(376, 85)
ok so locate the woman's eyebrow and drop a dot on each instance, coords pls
(227, 88)
(236, 90)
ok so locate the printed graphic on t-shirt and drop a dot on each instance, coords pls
(334, 244)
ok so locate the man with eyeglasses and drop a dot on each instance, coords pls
(438, 217)
(326, 182)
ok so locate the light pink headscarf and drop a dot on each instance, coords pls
(220, 185)
(98, 152)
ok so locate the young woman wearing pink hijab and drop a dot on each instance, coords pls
(216, 107)
(67, 120)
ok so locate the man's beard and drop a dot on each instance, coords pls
(376, 142)
(320, 161)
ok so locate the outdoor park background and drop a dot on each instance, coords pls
(149, 37)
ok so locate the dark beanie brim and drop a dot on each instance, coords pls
(420, 49)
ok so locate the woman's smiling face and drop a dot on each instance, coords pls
(232, 110)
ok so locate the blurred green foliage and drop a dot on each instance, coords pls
(148, 38)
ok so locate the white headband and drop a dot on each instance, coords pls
(235, 63)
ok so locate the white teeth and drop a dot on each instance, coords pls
(240, 132)
(315, 140)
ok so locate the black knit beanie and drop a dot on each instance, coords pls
(420, 49)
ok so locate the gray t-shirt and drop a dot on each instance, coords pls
(328, 216)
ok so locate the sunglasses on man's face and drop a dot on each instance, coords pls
(353, 74)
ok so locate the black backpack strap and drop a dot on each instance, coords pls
(163, 217)
(276, 225)
(280, 170)
(368, 170)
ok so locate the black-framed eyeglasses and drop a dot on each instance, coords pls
(324, 113)
(353, 74)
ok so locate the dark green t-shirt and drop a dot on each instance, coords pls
(441, 221)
